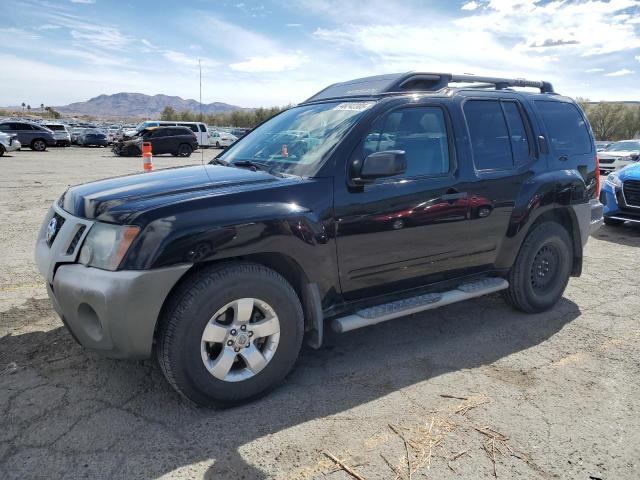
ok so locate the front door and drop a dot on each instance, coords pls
(400, 231)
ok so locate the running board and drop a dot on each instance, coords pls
(429, 301)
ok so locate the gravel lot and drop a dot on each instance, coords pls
(473, 390)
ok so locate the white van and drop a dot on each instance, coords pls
(199, 128)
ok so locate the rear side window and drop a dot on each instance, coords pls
(203, 127)
(490, 141)
(567, 130)
(192, 127)
(517, 132)
(420, 132)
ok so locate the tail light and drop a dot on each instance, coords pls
(597, 176)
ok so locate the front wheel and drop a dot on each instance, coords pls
(38, 145)
(542, 269)
(230, 334)
(217, 144)
(1, 150)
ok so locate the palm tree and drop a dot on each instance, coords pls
(42, 107)
(23, 105)
(29, 108)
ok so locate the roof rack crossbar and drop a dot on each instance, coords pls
(420, 81)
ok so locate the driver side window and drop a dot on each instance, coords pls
(418, 131)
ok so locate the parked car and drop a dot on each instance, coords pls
(178, 141)
(37, 137)
(621, 196)
(198, 128)
(240, 132)
(601, 145)
(92, 138)
(79, 130)
(221, 139)
(619, 155)
(9, 143)
(222, 269)
(60, 133)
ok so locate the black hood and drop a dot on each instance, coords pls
(120, 199)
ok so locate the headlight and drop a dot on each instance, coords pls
(106, 245)
(614, 180)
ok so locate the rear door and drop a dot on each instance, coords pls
(26, 133)
(160, 140)
(502, 152)
(203, 135)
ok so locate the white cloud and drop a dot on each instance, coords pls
(594, 70)
(273, 63)
(294, 25)
(470, 6)
(85, 2)
(620, 73)
(638, 57)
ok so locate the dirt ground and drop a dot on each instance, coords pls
(473, 390)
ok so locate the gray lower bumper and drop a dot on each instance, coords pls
(589, 217)
(114, 313)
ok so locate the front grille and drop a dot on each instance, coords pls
(631, 189)
(76, 239)
(607, 160)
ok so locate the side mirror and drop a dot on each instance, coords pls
(379, 165)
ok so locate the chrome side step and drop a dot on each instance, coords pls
(429, 301)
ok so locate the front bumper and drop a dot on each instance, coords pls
(615, 204)
(13, 146)
(114, 313)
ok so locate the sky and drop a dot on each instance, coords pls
(265, 53)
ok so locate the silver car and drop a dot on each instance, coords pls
(619, 155)
(60, 133)
(8, 143)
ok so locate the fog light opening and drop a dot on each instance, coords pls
(90, 321)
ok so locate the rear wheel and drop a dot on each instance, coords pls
(1, 150)
(217, 144)
(542, 269)
(39, 145)
(230, 334)
(185, 150)
(613, 222)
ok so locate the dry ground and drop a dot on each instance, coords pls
(555, 395)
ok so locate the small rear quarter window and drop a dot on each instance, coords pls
(567, 130)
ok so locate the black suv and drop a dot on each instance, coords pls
(372, 200)
(178, 141)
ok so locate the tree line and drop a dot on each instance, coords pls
(236, 118)
(611, 120)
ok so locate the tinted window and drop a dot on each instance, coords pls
(420, 132)
(5, 127)
(517, 131)
(203, 127)
(193, 128)
(181, 131)
(566, 128)
(489, 136)
(21, 126)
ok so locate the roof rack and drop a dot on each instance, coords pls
(421, 82)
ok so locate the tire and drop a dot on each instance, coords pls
(542, 269)
(1, 150)
(38, 145)
(217, 144)
(613, 222)
(184, 150)
(182, 351)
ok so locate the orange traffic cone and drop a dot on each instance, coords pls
(147, 157)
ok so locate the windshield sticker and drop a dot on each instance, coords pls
(356, 106)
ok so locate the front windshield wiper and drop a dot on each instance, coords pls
(265, 167)
(217, 161)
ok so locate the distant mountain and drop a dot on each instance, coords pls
(139, 105)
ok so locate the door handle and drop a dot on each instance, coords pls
(563, 158)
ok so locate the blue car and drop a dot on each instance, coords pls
(620, 196)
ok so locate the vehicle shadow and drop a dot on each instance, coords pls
(627, 234)
(123, 420)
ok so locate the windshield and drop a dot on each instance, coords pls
(141, 126)
(622, 146)
(297, 140)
